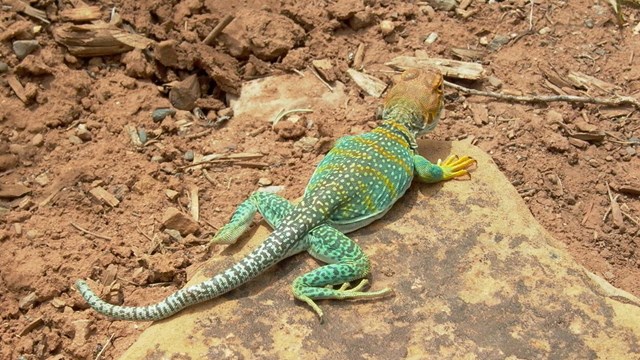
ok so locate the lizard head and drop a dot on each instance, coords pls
(416, 100)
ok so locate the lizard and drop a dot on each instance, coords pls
(355, 183)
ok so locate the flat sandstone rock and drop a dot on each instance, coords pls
(474, 276)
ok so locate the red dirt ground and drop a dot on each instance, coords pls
(69, 137)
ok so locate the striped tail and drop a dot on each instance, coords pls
(276, 247)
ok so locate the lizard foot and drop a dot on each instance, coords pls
(454, 166)
(338, 294)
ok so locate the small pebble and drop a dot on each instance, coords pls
(544, 30)
(37, 140)
(28, 301)
(22, 48)
(226, 112)
(263, 181)
(498, 41)
(386, 27)
(75, 140)
(189, 155)
(443, 5)
(83, 133)
(630, 150)
(142, 134)
(494, 81)
(42, 179)
(174, 234)
(3, 67)
(32, 234)
(159, 114)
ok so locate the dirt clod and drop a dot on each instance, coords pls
(176, 220)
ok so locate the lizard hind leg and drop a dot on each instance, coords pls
(271, 206)
(347, 262)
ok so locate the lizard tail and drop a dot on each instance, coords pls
(280, 244)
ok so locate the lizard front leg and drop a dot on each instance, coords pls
(452, 167)
(347, 262)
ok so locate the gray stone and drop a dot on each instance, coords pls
(498, 42)
(444, 5)
(161, 113)
(3, 67)
(22, 48)
(184, 94)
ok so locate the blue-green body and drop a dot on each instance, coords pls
(364, 175)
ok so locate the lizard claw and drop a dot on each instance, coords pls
(455, 166)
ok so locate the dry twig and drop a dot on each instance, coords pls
(531, 16)
(631, 218)
(587, 214)
(91, 233)
(99, 354)
(232, 158)
(283, 114)
(315, 73)
(218, 29)
(612, 101)
(206, 175)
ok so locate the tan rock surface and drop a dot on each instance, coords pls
(474, 275)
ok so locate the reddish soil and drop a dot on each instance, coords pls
(68, 137)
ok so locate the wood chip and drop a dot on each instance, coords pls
(612, 112)
(12, 191)
(80, 14)
(464, 4)
(449, 68)
(584, 81)
(31, 326)
(17, 88)
(133, 135)
(468, 54)
(554, 77)
(136, 41)
(194, 205)
(616, 213)
(371, 85)
(358, 58)
(109, 275)
(20, 6)
(171, 194)
(591, 137)
(630, 189)
(98, 39)
(480, 113)
(102, 195)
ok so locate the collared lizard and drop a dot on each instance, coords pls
(357, 182)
